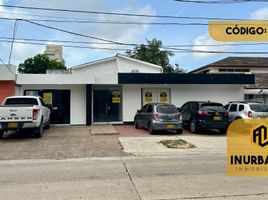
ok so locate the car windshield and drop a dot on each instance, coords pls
(21, 101)
(166, 109)
(259, 107)
(216, 107)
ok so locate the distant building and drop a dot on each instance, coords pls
(54, 52)
(7, 81)
(243, 65)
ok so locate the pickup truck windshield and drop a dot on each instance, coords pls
(21, 101)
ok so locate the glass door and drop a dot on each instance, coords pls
(107, 104)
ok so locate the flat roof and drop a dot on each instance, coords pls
(152, 78)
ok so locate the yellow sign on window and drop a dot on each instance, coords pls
(47, 97)
(116, 97)
(148, 97)
(163, 97)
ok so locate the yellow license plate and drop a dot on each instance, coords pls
(216, 118)
(170, 126)
(13, 125)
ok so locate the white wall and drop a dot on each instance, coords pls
(50, 79)
(181, 94)
(219, 93)
(126, 65)
(131, 101)
(78, 99)
(104, 72)
(7, 74)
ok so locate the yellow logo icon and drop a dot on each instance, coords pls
(259, 136)
(238, 31)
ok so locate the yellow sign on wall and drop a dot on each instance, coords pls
(47, 97)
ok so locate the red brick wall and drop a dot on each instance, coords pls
(7, 88)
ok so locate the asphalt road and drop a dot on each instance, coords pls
(154, 177)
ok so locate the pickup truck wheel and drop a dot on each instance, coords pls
(1, 133)
(48, 124)
(38, 132)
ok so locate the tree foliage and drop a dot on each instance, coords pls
(152, 52)
(39, 64)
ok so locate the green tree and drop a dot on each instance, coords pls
(153, 53)
(39, 64)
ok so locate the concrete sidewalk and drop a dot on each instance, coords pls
(151, 145)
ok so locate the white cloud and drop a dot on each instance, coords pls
(206, 40)
(261, 14)
(121, 33)
(20, 52)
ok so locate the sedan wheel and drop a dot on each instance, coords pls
(136, 124)
(150, 128)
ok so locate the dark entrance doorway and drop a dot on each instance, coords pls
(107, 104)
(59, 99)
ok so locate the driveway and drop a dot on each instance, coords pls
(60, 143)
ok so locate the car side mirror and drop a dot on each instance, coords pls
(138, 111)
(179, 109)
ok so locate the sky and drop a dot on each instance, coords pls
(127, 33)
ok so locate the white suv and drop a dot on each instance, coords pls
(241, 109)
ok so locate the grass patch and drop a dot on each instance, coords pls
(177, 144)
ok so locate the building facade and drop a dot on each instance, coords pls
(54, 52)
(111, 90)
(7, 81)
(243, 65)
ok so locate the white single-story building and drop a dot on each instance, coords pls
(111, 90)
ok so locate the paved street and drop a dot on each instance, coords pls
(132, 178)
(86, 163)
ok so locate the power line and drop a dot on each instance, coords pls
(117, 13)
(77, 34)
(127, 22)
(175, 50)
(11, 46)
(71, 46)
(109, 22)
(221, 2)
(108, 43)
(61, 41)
